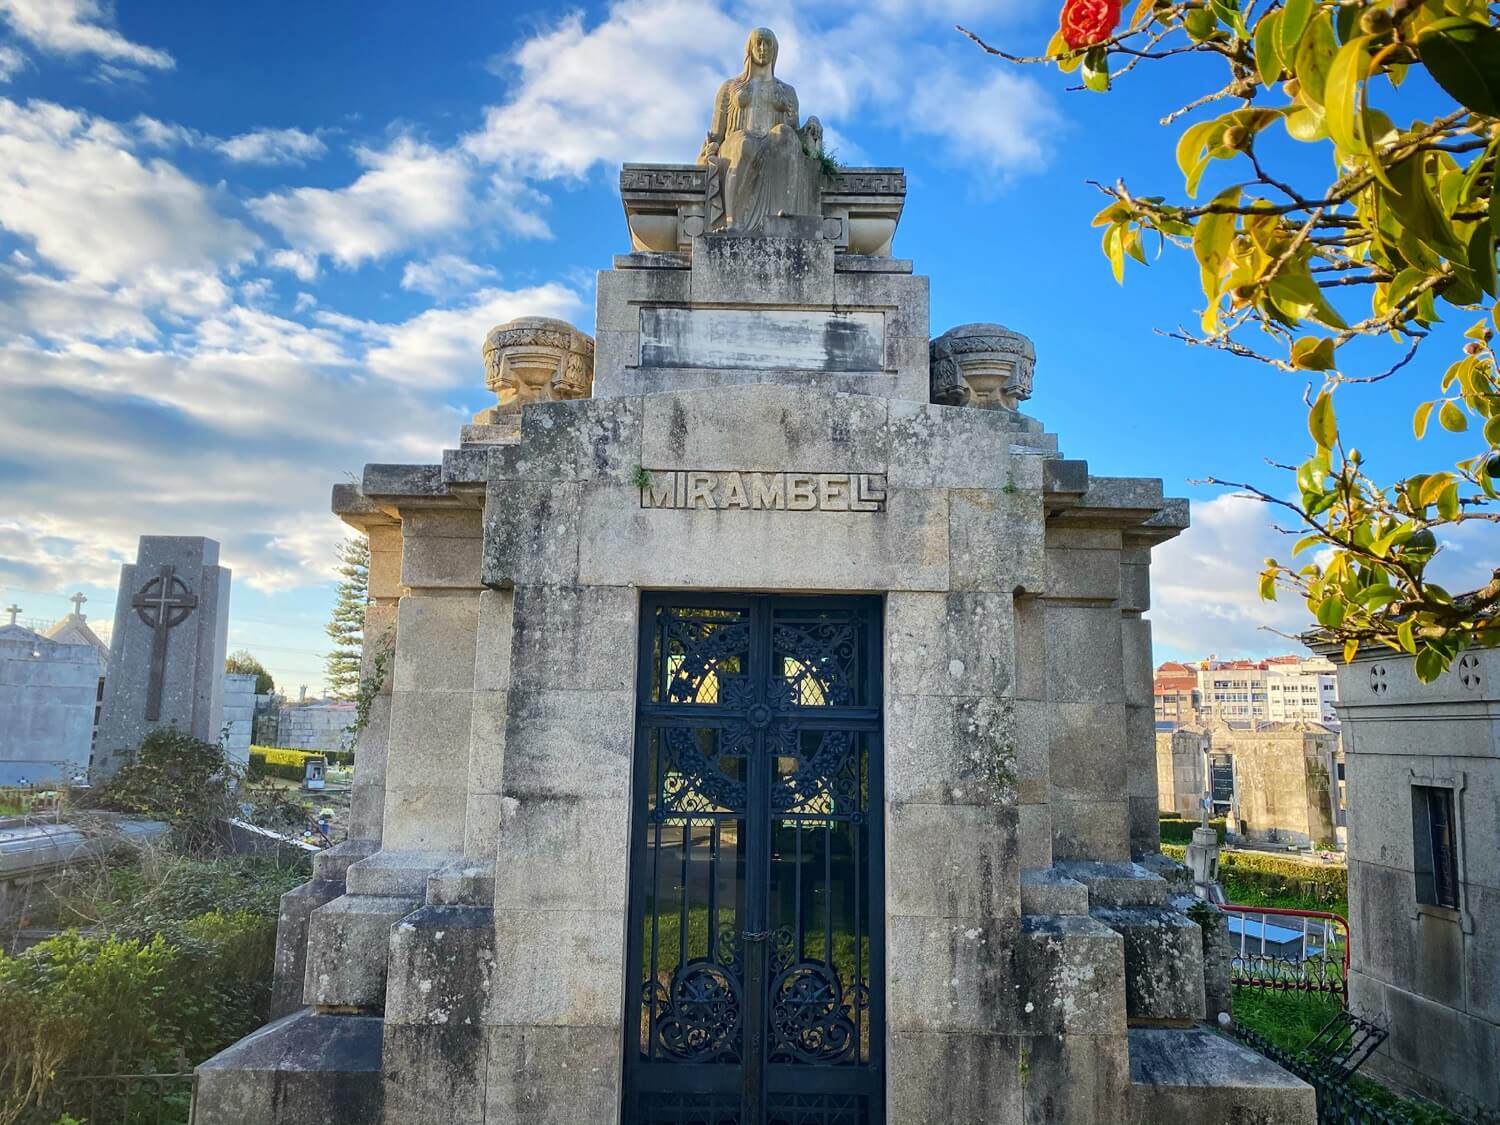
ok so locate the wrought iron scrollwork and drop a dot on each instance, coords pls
(811, 1021)
(698, 1014)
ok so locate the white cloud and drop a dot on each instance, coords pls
(639, 84)
(442, 347)
(303, 266)
(1204, 591)
(411, 192)
(635, 87)
(164, 134)
(11, 62)
(70, 184)
(77, 27)
(1204, 583)
(273, 146)
(444, 275)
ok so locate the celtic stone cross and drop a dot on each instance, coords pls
(163, 602)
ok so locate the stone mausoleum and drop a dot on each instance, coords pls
(766, 734)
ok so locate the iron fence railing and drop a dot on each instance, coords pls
(151, 1098)
(1338, 1102)
(1315, 958)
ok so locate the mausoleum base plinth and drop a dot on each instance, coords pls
(766, 741)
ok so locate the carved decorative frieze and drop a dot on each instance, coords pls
(983, 365)
(535, 359)
(663, 178)
(867, 183)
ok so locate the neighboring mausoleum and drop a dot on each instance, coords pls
(766, 731)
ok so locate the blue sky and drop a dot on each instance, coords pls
(245, 249)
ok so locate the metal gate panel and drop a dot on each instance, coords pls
(756, 897)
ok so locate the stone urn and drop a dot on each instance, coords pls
(535, 359)
(983, 365)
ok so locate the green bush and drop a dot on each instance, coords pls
(1326, 884)
(178, 958)
(140, 893)
(1179, 830)
(173, 777)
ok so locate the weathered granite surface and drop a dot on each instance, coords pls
(166, 657)
(738, 439)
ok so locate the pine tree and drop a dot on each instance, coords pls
(347, 625)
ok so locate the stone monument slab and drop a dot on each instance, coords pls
(168, 646)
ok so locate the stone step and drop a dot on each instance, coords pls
(1046, 890)
(1116, 884)
(1163, 961)
(304, 1069)
(1193, 1074)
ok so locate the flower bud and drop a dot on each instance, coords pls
(1376, 21)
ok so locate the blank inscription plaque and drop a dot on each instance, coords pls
(763, 338)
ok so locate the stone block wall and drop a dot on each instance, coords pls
(1429, 970)
(47, 697)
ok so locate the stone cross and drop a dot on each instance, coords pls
(163, 602)
(14, 610)
(78, 600)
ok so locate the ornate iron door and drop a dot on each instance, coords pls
(755, 949)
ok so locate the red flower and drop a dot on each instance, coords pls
(1087, 22)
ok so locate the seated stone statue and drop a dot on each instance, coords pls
(761, 163)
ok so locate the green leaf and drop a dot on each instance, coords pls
(1299, 296)
(1482, 257)
(1404, 635)
(1268, 48)
(1293, 22)
(1341, 95)
(1268, 586)
(1307, 543)
(1419, 419)
(1096, 70)
(1315, 54)
(1492, 431)
(1430, 664)
(1351, 649)
(1463, 57)
(1451, 418)
(1313, 354)
(1321, 423)
(1375, 597)
(1229, 12)
(1306, 124)
(1331, 612)
(1200, 23)
(1447, 502)
(1114, 250)
(1416, 205)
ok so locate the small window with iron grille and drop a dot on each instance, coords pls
(1435, 845)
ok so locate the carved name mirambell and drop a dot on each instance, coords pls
(755, 491)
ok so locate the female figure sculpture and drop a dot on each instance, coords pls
(760, 162)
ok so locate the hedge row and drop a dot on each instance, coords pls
(1275, 877)
(275, 761)
(1179, 830)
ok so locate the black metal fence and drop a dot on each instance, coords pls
(162, 1098)
(1338, 1102)
(1322, 975)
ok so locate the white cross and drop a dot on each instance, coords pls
(14, 610)
(78, 600)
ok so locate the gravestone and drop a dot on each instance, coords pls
(764, 732)
(166, 663)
